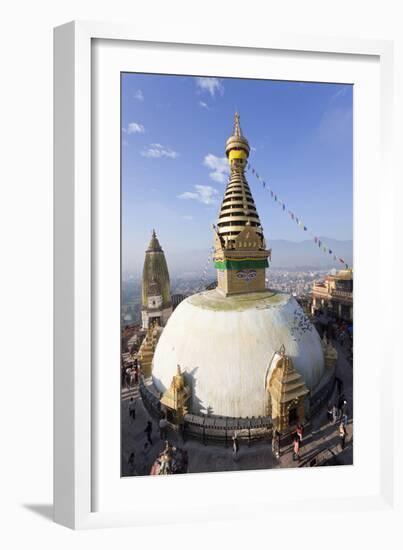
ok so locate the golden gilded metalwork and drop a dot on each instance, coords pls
(176, 397)
(147, 349)
(287, 391)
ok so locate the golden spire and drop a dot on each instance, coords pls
(238, 207)
(240, 254)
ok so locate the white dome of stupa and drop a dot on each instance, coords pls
(225, 345)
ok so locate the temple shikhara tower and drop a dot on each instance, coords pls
(240, 254)
(156, 292)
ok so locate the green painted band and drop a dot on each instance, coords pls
(242, 264)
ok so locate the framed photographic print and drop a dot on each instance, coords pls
(213, 205)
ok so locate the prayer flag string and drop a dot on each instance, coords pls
(293, 216)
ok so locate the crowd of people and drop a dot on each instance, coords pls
(130, 374)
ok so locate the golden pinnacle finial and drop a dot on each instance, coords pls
(237, 125)
(237, 141)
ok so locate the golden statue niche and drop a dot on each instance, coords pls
(287, 392)
(176, 397)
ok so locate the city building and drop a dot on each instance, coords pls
(333, 296)
(156, 291)
(229, 341)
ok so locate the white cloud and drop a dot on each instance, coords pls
(210, 85)
(218, 166)
(135, 128)
(203, 104)
(138, 95)
(156, 150)
(204, 194)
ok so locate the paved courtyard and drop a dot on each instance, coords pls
(319, 436)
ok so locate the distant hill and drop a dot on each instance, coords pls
(285, 254)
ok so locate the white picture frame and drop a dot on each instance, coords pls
(78, 208)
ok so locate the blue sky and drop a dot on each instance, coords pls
(174, 130)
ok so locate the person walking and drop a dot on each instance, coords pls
(343, 435)
(296, 442)
(132, 408)
(128, 377)
(235, 445)
(329, 412)
(148, 430)
(275, 444)
(340, 403)
(343, 408)
(300, 431)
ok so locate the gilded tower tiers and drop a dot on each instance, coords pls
(240, 254)
(156, 292)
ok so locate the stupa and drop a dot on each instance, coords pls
(225, 340)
